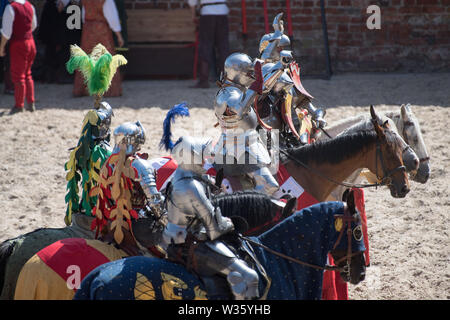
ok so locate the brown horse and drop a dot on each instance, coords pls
(320, 166)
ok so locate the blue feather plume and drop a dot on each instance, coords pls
(180, 109)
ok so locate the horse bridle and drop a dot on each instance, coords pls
(386, 180)
(347, 218)
(405, 137)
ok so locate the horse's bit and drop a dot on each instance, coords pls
(386, 180)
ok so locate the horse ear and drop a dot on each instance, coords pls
(375, 121)
(404, 112)
(345, 194)
(386, 124)
(351, 200)
(373, 113)
(219, 177)
(290, 207)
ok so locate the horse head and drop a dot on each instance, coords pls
(410, 158)
(388, 161)
(409, 125)
(350, 259)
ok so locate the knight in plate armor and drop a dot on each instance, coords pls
(272, 49)
(93, 147)
(194, 228)
(86, 159)
(240, 149)
(132, 135)
(128, 183)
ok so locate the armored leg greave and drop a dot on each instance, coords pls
(243, 280)
(217, 259)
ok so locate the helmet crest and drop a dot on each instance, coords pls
(177, 110)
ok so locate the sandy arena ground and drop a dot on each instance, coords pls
(409, 238)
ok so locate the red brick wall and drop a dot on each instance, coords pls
(156, 4)
(414, 34)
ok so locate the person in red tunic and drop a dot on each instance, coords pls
(8, 87)
(101, 19)
(19, 22)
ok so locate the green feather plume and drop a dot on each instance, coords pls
(101, 75)
(98, 68)
(82, 63)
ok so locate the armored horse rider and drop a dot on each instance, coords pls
(240, 149)
(128, 183)
(192, 234)
(273, 51)
(85, 161)
(93, 147)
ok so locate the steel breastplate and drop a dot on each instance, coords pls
(179, 202)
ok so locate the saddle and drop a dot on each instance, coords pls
(198, 258)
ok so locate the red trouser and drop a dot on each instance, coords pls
(22, 54)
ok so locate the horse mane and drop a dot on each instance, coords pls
(340, 125)
(335, 150)
(398, 120)
(394, 115)
(256, 208)
(364, 125)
